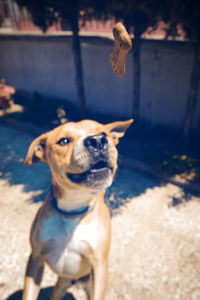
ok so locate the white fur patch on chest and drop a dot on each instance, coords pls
(88, 233)
(66, 240)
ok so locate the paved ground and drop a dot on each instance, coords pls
(156, 231)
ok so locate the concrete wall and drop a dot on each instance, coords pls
(45, 64)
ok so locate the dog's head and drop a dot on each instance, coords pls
(81, 154)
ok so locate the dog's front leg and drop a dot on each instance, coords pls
(33, 278)
(98, 281)
(60, 288)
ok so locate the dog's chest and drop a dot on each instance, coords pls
(65, 241)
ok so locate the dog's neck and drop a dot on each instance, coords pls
(73, 199)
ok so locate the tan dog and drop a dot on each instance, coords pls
(72, 230)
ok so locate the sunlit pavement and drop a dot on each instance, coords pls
(156, 230)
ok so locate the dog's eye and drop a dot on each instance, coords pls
(64, 141)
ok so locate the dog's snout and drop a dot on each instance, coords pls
(98, 142)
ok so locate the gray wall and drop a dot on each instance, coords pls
(45, 64)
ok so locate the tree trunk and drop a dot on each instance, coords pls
(78, 63)
(136, 76)
(192, 97)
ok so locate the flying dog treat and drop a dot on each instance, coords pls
(123, 45)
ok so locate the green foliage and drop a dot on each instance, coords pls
(171, 164)
(184, 13)
(43, 14)
(137, 15)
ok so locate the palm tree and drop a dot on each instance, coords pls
(45, 12)
(186, 13)
(137, 16)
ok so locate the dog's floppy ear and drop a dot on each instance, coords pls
(36, 151)
(118, 129)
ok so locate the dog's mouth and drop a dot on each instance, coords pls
(97, 172)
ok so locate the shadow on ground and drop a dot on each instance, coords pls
(36, 178)
(44, 295)
(13, 147)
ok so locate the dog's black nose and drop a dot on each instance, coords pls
(98, 142)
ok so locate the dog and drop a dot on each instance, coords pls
(72, 230)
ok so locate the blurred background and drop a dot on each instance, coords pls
(54, 67)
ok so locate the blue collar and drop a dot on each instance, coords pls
(71, 213)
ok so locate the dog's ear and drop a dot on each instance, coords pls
(118, 129)
(36, 151)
